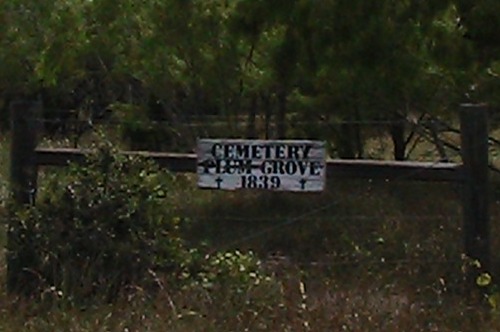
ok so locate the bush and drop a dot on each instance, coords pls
(104, 226)
(112, 225)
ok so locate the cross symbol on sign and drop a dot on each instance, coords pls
(218, 180)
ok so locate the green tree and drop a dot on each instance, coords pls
(350, 62)
(331, 64)
(478, 23)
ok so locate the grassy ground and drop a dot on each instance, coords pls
(361, 256)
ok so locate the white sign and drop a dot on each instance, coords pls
(257, 164)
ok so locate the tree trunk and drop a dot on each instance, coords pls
(23, 177)
(252, 114)
(266, 105)
(397, 131)
(346, 142)
(281, 116)
(356, 127)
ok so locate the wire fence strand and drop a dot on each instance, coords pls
(315, 212)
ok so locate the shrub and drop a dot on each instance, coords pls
(112, 224)
(104, 226)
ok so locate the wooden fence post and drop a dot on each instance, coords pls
(474, 137)
(23, 182)
(23, 170)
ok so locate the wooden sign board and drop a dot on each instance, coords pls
(284, 165)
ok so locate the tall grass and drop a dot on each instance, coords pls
(362, 256)
(334, 306)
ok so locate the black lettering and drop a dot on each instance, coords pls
(245, 166)
(263, 182)
(291, 168)
(252, 181)
(305, 151)
(218, 163)
(266, 167)
(280, 151)
(229, 151)
(315, 168)
(230, 168)
(302, 165)
(275, 182)
(256, 153)
(279, 167)
(267, 151)
(215, 151)
(293, 151)
(207, 164)
(242, 151)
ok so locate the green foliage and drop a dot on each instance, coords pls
(99, 229)
(353, 60)
(110, 226)
(141, 130)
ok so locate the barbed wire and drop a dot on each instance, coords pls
(191, 130)
(379, 261)
(335, 218)
(212, 122)
(290, 220)
(301, 217)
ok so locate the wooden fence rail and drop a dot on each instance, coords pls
(336, 168)
(472, 175)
